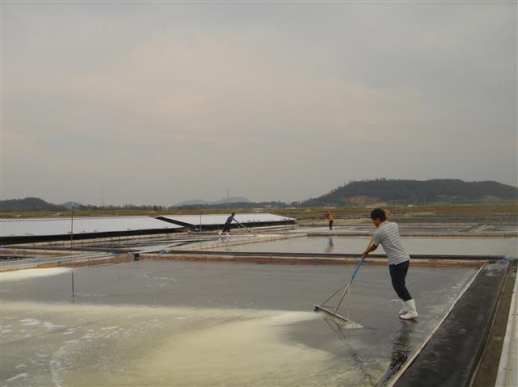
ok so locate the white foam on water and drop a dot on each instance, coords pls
(22, 375)
(138, 345)
(50, 326)
(239, 352)
(27, 322)
(17, 275)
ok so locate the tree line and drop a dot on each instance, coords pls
(355, 193)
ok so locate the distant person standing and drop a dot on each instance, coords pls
(228, 222)
(387, 234)
(329, 218)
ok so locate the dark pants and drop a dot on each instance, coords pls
(398, 275)
(330, 224)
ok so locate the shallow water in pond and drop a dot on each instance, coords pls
(355, 245)
(173, 323)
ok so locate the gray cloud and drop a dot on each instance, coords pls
(163, 102)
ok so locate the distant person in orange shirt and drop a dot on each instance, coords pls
(329, 218)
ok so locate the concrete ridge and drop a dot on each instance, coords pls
(508, 369)
(433, 234)
(257, 258)
(464, 331)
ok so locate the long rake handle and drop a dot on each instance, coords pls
(332, 295)
(352, 277)
(349, 284)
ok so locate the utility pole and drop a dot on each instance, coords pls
(72, 228)
(102, 197)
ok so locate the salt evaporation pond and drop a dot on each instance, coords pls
(475, 246)
(174, 323)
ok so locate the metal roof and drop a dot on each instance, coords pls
(219, 219)
(80, 225)
(91, 225)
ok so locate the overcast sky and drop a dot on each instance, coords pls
(132, 102)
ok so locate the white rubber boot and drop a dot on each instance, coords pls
(412, 312)
(404, 308)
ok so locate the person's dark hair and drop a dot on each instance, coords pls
(378, 213)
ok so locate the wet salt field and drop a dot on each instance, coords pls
(481, 246)
(176, 323)
(170, 323)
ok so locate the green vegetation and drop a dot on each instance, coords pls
(28, 204)
(347, 200)
(414, 192)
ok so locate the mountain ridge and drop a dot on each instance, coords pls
(355, 193)
(414, 192)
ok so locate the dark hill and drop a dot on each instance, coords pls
(414, 192)
(352, 194)
(28, 204)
